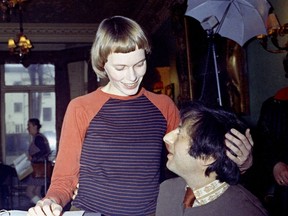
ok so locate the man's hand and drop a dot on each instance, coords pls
(241, 146)
(46, 207)
(280, 172)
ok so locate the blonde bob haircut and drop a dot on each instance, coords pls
(116, 34)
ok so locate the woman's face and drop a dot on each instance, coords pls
(125, 72)
(32, 129)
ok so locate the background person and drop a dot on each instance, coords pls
(272, 153)
(197, 153)
(112, 139)
(38, 151)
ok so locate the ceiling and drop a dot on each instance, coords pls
(58, 24)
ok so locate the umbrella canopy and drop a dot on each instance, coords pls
(238, 20)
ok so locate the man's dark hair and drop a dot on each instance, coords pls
(207, 127)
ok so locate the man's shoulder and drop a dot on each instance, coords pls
(242, 192)
(176, 182)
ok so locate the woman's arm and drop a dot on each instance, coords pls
(66, 169)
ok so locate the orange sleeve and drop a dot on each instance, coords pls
(65, 176)
(167, 107)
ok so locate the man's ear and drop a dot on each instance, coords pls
(208, 160)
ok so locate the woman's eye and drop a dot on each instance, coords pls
(140, 64)
(119, 68)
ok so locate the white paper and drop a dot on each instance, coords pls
(66, 213)
(22, 166)
(73, 213)
(91, 214)
(13, 213)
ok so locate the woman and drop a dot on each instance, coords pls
(111, 139)
(39, 150)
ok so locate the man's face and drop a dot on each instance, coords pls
(125, 72)
(179, 160)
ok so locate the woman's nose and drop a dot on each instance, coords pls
(131, 74)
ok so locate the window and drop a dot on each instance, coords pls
(35, 74)
(17, 107)
(47, 114)
(28, 92)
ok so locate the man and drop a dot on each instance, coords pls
(197, 154)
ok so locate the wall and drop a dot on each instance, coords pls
(77, 78)
(265, 70)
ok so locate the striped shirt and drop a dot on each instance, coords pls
(121, 152)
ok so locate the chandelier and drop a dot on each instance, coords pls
(21, 45)
(276, 40)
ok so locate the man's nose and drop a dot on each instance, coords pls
(168, 138)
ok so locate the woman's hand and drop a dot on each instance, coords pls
(280, 172)
(241, 146)
(46, 207)
(75, 192)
